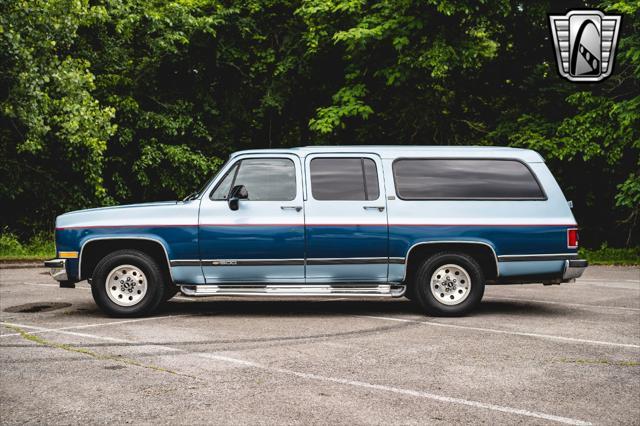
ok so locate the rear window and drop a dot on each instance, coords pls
(465, 179)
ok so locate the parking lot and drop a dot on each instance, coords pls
(529, 354)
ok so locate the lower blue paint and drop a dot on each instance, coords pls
(339, 241)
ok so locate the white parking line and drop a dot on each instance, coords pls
(353, 383)
(580, 305)
(603, 281)
(410, 392)
(513, 333)
(75, 327)
(48, 330)
(53, 285)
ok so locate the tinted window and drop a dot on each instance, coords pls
(371, 179)
(344, 179)
(266, 179)
(464, 179)
(222, 190)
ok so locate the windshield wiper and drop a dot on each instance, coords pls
(191, 196)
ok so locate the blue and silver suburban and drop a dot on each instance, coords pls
(433, 224)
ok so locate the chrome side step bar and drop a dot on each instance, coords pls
(347, 290)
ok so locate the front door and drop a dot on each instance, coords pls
(263, 240)
(346, 219)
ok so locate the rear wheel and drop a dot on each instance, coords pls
(128, 283)
(449, 284)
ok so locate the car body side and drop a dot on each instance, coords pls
(518, 240)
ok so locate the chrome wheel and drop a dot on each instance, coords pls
(126, 285)
(450, 284)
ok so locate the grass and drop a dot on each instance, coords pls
(42, 247)
(611, 256)
(65, 347)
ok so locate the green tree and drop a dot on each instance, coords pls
(53, 131)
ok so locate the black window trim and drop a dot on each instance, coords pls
(337, 156)
(535, 177)
(238, 161)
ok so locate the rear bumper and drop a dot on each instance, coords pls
(57, 269)
(573, 269)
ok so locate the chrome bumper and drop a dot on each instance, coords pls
(573, 269)
(58, 269)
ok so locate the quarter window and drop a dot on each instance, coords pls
(344, 179)
(266, 179)
(224, 187)
(467, 179)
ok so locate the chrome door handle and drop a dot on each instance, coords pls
(296, 208)
(379, 208)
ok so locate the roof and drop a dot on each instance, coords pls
(396, 151)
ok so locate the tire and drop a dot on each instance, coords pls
(137, 284)
(449, 284)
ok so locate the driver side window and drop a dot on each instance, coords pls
(266, 179)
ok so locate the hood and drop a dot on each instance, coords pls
(124, 206)
(157, 213)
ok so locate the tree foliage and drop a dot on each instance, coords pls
(114, 101)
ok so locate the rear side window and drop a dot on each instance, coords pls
(344, 179)
(465, 179)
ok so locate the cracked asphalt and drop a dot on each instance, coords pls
(567, 354)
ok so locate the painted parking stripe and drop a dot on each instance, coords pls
(53, 285)
(353, 383)
(513, 333)
(47, 330)
(76, 327)
(604, 281)
(580, 305)
(392, 389)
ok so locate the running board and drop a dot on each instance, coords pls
(348, 290)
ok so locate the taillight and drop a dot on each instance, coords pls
(572, 238)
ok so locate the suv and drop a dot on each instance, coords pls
(433, 224)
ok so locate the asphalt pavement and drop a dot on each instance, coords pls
(530, 354)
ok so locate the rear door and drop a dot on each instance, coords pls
(345, 219)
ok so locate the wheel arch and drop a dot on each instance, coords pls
(94, 249)
(482, 251)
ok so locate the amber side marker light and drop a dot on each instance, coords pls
(68, 254)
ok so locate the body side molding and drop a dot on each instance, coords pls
(539, 257)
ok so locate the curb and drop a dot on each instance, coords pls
(21, 265)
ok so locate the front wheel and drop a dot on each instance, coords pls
(128, 283)
(449, 284)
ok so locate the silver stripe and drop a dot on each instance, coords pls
(348, 261)
(186, 262)
(536, 257)
(274, 262)
(236, 262)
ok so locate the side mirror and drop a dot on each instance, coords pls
(239, 192)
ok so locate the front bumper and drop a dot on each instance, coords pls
(57, 269)
(573, 269)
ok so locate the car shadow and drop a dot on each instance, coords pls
(309, 307)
